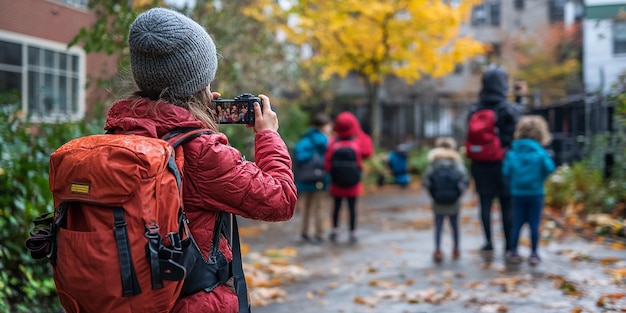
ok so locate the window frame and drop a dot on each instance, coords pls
(77, 4)
(54, 72)
(618, 43)
(487, 13)
(555, 15)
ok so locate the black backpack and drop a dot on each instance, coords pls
(445, 184)
(345, 170)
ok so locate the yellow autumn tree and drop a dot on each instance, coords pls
(374, 39)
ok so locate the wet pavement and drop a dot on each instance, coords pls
(390, 269)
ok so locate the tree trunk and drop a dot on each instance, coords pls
(375, 112)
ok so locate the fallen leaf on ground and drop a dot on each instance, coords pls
(609, 260)
(265, 296)
(277, 253)
(576, 310)
(249, 231)
(618, 246)
(569, 288)
(364, 301)
(609, 298)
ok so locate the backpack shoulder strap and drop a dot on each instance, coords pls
(182, 135)
(178, 137)
(237, 269)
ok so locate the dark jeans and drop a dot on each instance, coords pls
(351, 207)
(527, 209)
(507, 218)
(454, 224)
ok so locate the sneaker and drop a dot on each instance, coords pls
(353, 238)
(317, 240)
(512, 257)
(305, 237)
(456, 254)
(333, 237)
(437, 256)
(534, 259)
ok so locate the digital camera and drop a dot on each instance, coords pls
(238, 110)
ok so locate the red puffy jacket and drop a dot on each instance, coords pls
(347, 126)
(216, 179)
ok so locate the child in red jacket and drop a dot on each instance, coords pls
(343, 160)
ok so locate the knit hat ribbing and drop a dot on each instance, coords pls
(170, 50)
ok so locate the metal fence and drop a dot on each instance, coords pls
(574, 123)
(421, 123)
(571, 122)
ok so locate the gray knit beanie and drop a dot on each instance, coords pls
(170, 50)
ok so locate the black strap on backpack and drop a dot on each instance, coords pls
(205, 275)
(237, 271)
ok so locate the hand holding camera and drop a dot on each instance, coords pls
(265, 117)
(246, 109)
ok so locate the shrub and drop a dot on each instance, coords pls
(26, 285)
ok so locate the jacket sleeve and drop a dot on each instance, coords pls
(548, 165)
(260, 190)
(508, 116)
(365, 144)
(506, 165)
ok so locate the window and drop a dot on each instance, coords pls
(479, 15)
(619, 37)
(82, 4)
(44, 77)
(519, 4)
(556, 10)
(494, 14)
(487, 13)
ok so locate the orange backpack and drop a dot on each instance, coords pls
(118, 240)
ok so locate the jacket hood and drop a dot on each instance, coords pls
(148, 118)
(346, 125)
(443, 154)
(494, 86)
(526, 145)
(318, 138)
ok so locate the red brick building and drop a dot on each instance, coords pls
(36, 65)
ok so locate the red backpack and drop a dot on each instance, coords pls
(118, 240)
(483, 143)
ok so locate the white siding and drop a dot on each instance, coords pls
(599, 56)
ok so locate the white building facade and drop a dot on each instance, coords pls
(604, 44)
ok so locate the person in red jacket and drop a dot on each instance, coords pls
(174, 60)
(345, 167)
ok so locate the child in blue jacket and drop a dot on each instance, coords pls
(526, 166)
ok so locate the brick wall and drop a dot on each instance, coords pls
(57, 22)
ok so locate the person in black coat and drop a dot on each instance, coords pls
(488, 174)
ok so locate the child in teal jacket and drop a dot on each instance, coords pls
(526, 166)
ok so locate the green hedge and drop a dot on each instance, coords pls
(26, 285)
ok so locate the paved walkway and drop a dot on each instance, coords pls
(390, 269)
